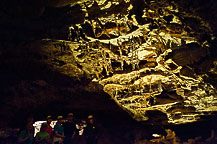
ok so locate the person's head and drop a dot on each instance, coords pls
(90, 119)
(60, 119)
(49, 119)
(70, 117)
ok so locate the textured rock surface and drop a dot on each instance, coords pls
(144, 57)
(154, 58)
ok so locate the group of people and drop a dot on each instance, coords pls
(62, 133)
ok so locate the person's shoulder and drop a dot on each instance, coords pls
(37, 134)
(56, 126)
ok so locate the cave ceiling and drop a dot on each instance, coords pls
(150, 56)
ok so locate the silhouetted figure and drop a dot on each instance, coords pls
(26, 136)
(91, 131)
(48, 128)
(69, 129)
(42, 137)
(58, 131)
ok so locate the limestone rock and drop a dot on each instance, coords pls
(150, 56)
(139, 60)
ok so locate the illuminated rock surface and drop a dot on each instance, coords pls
(144, 60)
(151, 57)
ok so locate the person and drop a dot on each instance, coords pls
(26, 136)
(42, 137)
(91, 131)
(69, 129)
(58, 131)
(48, 128)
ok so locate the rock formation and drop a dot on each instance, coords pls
(150, 56)
(139, 57)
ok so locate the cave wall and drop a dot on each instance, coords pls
(50, 49)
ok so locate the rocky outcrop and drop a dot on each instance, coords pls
(149, 57)
(155, 59)
(145, 58)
